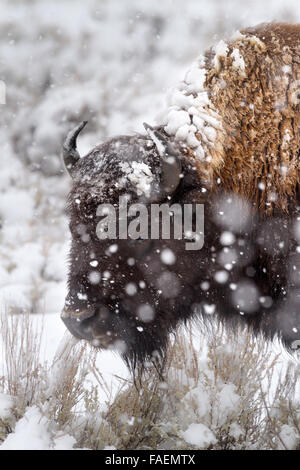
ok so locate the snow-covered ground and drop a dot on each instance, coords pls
(109, 62)
(34, 430)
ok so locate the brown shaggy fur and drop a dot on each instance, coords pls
(257, 155)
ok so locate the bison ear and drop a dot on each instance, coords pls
(69, 151)
(170, 161)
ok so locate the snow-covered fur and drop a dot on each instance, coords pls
(232, 131)
(237, 115)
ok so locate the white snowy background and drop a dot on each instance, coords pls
(109, 62)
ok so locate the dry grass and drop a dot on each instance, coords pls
(58, 389)
(155, 414)
(263, 409)
(21, 347)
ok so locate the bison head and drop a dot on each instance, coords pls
(128, 292)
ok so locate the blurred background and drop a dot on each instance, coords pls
(109, 62)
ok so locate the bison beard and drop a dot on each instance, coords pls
(225, 154)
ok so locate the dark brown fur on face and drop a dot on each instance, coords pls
(251, 276)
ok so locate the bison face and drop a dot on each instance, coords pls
(128, 292)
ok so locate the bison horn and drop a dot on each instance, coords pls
(170, 161)
(70, 153)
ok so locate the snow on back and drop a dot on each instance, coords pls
(190, 117)
(238, 61)
(221, 50)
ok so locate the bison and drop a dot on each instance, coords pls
(228, 142)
